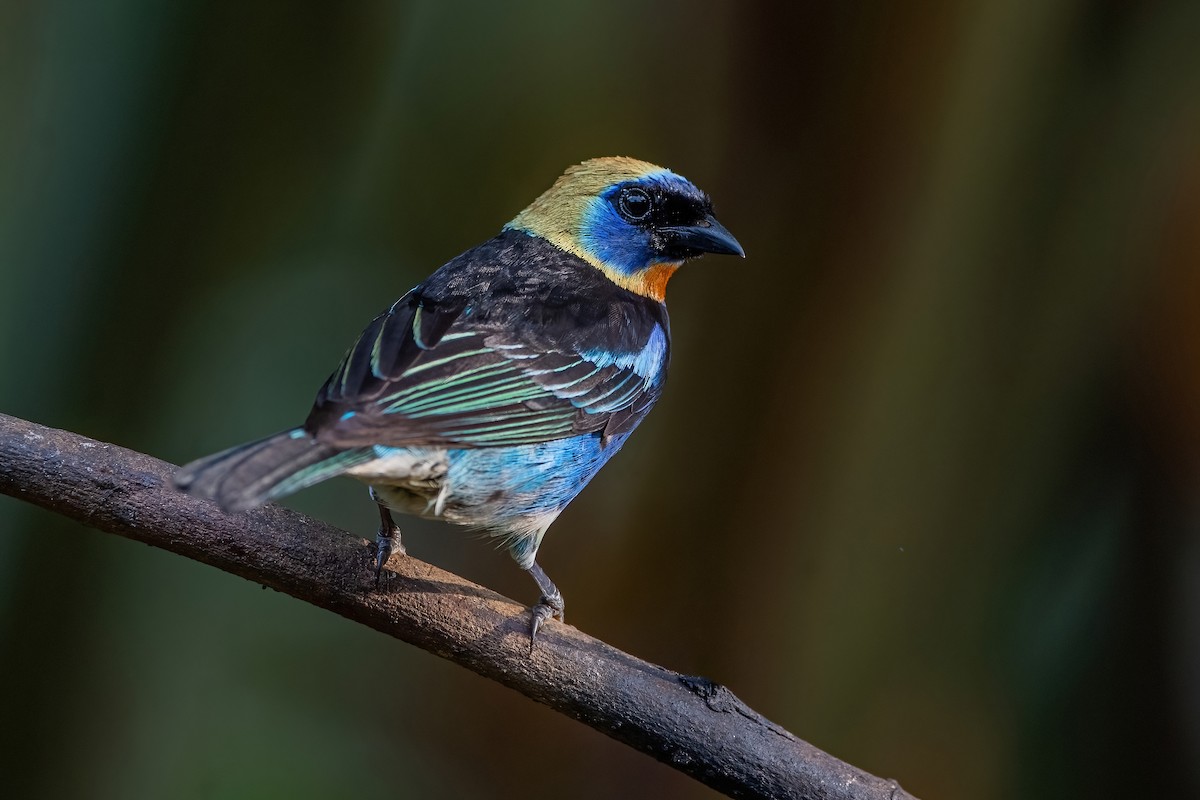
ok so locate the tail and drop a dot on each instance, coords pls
(252, 474)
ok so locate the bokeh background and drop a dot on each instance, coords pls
(924, 484)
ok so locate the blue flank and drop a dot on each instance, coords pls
(499, 483)
(621, 245)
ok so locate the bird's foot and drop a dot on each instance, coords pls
(549, 606)
(387, 542)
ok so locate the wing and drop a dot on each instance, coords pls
(430, 373)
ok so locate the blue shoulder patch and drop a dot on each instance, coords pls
(647, 363)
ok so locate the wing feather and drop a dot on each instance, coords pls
(429, 374)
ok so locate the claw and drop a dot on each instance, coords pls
(549, 606)
(541, 613)
(387, 542)
(383, 551)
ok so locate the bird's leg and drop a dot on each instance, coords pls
(551, 604)
(387, 540)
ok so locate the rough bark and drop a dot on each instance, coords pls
(692, 724)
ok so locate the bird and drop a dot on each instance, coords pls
(491, 393)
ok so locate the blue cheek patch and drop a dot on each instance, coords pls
(613, 241)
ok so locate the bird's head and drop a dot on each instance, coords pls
(634, 221)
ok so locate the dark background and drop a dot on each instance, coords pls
(923, 485)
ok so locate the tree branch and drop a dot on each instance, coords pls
(690, 723)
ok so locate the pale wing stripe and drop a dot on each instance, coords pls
(491, 424)
(557, 388)
(491, 399)
(440, 361)
(466, 391)
(563, 368)
(591, 402)
(618, 403)
(421, 389)
(533, 434)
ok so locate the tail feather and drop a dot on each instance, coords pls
(252, 474)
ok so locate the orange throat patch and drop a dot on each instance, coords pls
(652, 281)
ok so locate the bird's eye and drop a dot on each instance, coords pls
(634, 204)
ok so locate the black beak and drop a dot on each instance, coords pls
(706, 236)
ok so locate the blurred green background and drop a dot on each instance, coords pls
(923, 487)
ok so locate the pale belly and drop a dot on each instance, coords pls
(506, 490)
